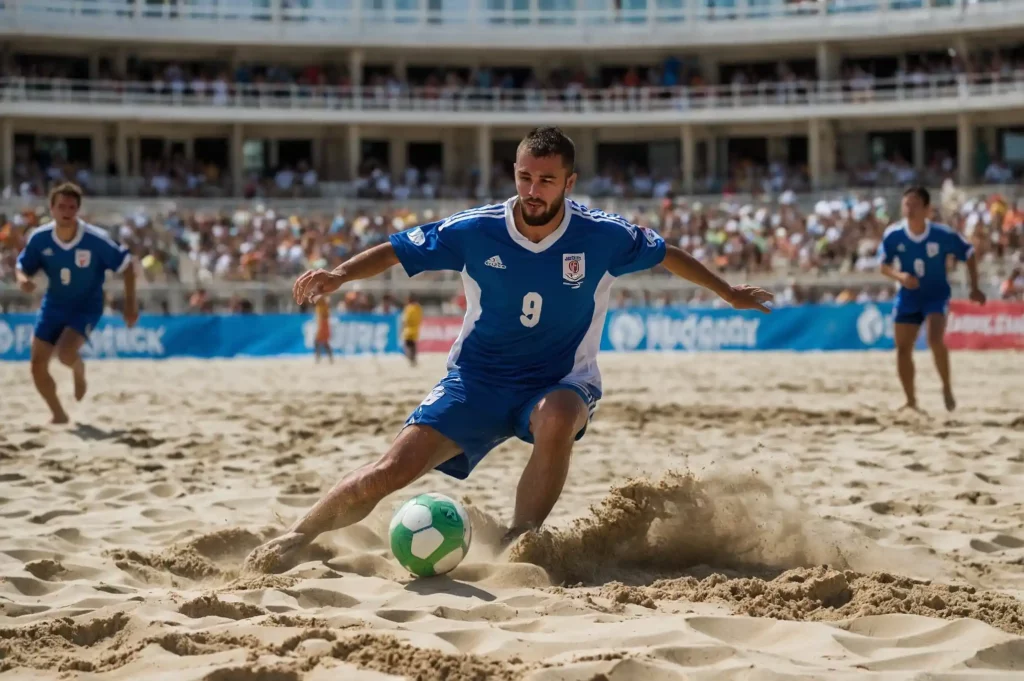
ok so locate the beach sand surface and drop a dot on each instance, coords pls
(747, 517)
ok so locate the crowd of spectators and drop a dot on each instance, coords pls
(783, 237)
(171, 174)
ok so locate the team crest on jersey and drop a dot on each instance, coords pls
(932, 249)
(417, 237)
(652, 238)
(83, 257)
(574, 268)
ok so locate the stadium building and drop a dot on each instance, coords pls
(428, 97)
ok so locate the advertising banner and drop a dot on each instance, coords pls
(997, 325)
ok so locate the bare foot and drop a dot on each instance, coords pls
(79, 375)
(909, 406)
(510, 537)
(276, 553)
(60, 417)
(947, 395)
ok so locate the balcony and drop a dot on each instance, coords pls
(507, 24)
(297, 104)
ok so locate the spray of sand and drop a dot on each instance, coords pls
(732, 537)
(734, 521)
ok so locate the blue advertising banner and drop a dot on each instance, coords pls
(209, 336)
(806, 327)
(803, 328)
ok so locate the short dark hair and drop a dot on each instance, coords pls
(921, 193)
(67, 189)
(549, 140)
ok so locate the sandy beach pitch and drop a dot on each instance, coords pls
(742, 517)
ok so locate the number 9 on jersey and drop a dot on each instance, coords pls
(532, 303)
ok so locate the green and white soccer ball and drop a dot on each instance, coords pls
(430, 534)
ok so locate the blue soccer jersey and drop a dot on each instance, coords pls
(76, 270)
(923, 256)
(534, 311)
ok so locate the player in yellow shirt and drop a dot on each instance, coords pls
(323, 329)
(412, 317)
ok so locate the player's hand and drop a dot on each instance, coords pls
(977, 296)
(131, 315)
(909, 281)
(749, 298)
(27, 286)
(315, 283)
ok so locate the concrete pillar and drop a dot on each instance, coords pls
(121, 152)
(965, 149)
(483, 151)
(449, 155)
(136, 162)
(274, 157)
(354, 150)
(711, 155)
(121, 62)
(829, 149)
(237, 159)
(688, 153)
(401, 68)
(962, 47)
(94, 66)
(100, 151)
(828, 62)
(355, 67)
(778, 149)
(7, 142)
(814, 152)
(919, 159)
(398, 156)
(586, 154)
(709, 70)
(991, 138)
(190, 148)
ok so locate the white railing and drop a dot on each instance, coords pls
(475, 12)
(173, 102)
(480, 22)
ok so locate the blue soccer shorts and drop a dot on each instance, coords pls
(51, 324)
(915, 312)
(478, 417)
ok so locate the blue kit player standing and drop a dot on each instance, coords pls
(920, 249)
(537, 272)
(75, 257)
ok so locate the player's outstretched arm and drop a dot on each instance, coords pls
(363, 266)
(683, 265)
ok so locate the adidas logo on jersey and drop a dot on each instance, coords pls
(495, 262)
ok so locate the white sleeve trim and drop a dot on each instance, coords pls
(125, 263)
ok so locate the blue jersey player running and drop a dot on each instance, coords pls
(75, 257)
(537, 272)
(914, 252)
